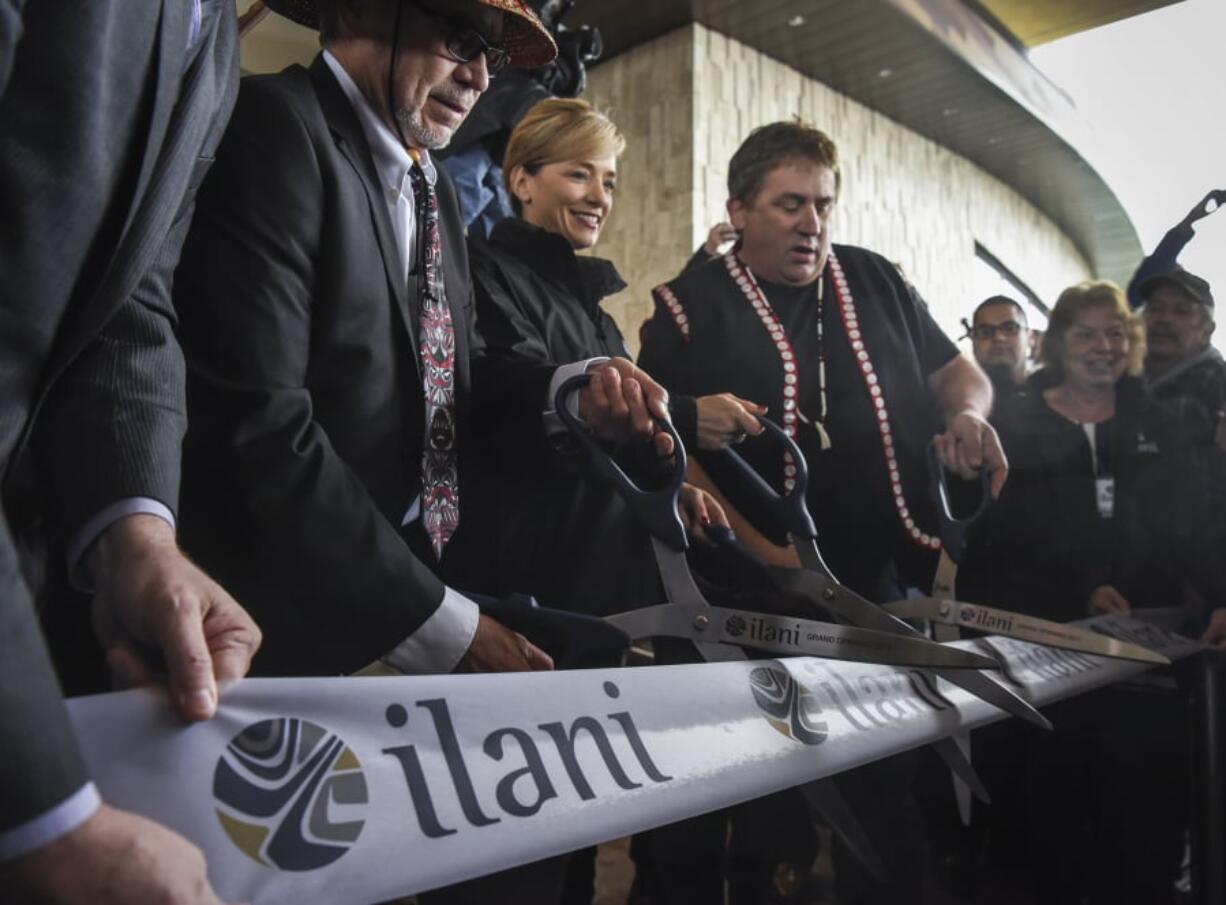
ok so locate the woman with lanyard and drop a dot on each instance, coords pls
(1102, 514)
(572, 543)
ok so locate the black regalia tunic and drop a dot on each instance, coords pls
(707, 337)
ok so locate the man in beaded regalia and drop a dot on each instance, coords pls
(850, 362)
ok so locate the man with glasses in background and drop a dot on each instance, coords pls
(338, 395)
(1000, 341)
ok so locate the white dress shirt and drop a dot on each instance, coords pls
(440, 641)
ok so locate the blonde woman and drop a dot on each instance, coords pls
(571, 543)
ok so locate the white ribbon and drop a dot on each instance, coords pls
(412, 783)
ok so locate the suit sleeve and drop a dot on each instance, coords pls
(125, 391)
(270, 505)
(39, 759)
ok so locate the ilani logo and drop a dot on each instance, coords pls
(290, 794)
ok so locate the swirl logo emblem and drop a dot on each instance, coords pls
(735, 626)
(789, 707)
(290, 794)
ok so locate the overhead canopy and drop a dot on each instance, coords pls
(1035, 22)
(936, 66)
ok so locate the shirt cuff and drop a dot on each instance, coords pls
(553, 424)
(440, 641)
(103, 519)
(50, 825)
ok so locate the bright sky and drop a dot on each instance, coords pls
(1153, 87)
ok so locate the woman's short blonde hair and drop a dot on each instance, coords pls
(1076, 299)
(559, 129)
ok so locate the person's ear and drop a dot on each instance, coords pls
(521, 185)
(355, 17)
(736, 214)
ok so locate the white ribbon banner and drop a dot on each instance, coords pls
(357, 790)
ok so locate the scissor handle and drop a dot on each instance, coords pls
(572, 639)
(953, 530)
(656, 509)
(789, 509)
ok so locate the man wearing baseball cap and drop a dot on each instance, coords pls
(1180, 364)
(1185, 371)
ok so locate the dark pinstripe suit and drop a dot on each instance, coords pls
(108, 120)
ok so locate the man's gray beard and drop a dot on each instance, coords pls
(418, 134)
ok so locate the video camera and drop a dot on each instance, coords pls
(510, 95)
(567, 75)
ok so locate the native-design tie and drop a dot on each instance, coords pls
(440, 486)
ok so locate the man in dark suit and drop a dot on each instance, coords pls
(316, 390)
(109, 111)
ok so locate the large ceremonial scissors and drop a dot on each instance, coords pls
(720, 633)
(816, 581)
(717, 637)
(720, 637)
(949, 616)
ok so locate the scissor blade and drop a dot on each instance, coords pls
(792, 636)
(830, 805)
(1025, 628)
(680, 588)
(841, 602)
(984, 686)
(675, 574)
(851, 607)
(956, 752)
(946, 577)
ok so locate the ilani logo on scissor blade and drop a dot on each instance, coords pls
(973, 615)
(770, 630)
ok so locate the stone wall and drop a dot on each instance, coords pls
(687, 99)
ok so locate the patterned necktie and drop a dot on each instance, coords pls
(440, 485)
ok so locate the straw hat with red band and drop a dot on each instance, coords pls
(523, 36)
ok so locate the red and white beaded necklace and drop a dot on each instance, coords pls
(748, 285)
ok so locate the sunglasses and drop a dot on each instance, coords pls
(464, 43)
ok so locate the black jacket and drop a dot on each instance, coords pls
(304, 393)
(560, 534)
(1042, 547)
(1196, 387)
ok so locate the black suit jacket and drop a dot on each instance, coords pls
(304, 392)
(108, 121)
